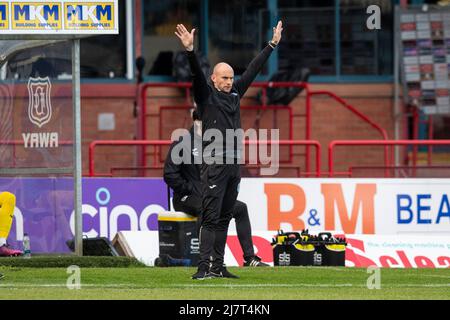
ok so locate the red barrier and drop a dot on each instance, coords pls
(95, 143)
(262, 108)
(156, 143)
(402, 171)
(114, 170)
(386, 143)
(186, 86)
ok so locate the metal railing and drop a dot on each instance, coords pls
(387, 163)
(156, 143)
(186, 86)
(257, 108)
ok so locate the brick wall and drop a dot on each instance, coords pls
(330, 121)
(116, 99)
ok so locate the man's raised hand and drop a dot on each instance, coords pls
(277, 32)
(186, 37)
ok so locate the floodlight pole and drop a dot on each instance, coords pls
(77, 147)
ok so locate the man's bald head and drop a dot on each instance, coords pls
(222, 67)
(223, 77)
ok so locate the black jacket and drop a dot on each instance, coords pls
(184, 179)
(221, 110)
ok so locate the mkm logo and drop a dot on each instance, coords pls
(3, 15)
(36, 15)
(89, 16)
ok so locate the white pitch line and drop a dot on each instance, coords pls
(265, 285)
(56, 285)
(435, 276)
(300, 285)
(308, 285)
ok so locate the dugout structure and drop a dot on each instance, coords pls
(40, 120)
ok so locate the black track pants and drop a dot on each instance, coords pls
(220, 183)
(193, 205)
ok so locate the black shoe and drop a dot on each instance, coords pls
(201, 274)
(222, 273)
(255, 261)
(162, 261)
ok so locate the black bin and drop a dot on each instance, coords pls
(178, 239)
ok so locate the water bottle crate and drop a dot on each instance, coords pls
(303, 249)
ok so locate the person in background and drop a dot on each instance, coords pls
(7, 205)
(184, 179)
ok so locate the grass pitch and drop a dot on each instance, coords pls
(254, 283)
